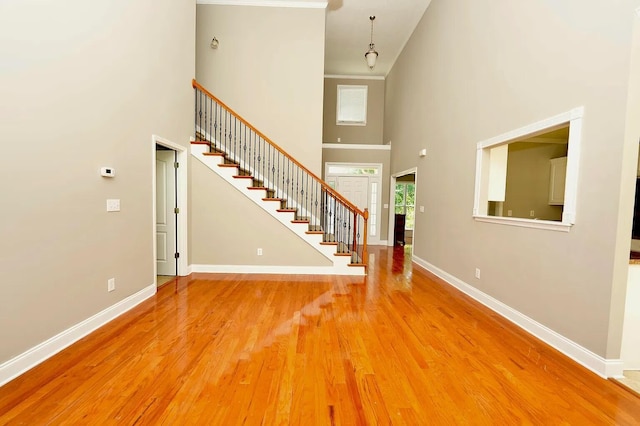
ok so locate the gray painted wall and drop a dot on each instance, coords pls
(263, 70)
(83, 86)
(470, 72)
(371, 133)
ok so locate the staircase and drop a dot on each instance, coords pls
(253, 164)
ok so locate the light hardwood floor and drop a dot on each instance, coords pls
(397, 347)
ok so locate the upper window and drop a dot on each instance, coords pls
(529, 176)
(352, 105)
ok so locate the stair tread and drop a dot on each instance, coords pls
(342, 249)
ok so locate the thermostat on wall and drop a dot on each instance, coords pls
(108, 171)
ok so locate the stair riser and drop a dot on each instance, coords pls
(227, 173)
(291, 203)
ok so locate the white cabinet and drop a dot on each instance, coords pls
(557, 177)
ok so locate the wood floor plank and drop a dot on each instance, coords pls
(396, 347)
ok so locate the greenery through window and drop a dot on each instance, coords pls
(405, 202)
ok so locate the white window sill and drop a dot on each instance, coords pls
(351, 123)
(549, 225)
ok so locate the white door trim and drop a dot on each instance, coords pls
(372, 178)
(182, 203)
(392, 205)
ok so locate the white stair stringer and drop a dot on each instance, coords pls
(340, 263)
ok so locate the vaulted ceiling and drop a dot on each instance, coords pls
(348, 30)
(348, 33)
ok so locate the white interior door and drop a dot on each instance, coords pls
(165, 213)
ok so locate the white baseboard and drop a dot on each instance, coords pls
(274, 269)
(34, 356)
(603, 367)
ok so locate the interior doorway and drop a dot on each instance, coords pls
(169, 210)
(630, 346)
(166, 212)
(402, 202)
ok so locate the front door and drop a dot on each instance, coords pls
(355, 189)
(165, 212)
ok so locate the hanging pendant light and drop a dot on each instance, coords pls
(371, 54)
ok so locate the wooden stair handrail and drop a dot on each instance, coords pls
(332, 191)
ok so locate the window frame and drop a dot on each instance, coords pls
(574, 119)
(341, 87)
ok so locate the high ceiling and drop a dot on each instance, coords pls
(348, 30)
(348, 33)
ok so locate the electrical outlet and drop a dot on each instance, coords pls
(509, 213)
(478, 273)
(532, 213)
(111, 284)
(421, 209)
(259, 252)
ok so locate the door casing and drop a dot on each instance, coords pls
(182, 173)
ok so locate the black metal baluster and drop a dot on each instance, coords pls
(218, 128)
(263, 156)
(212, 129)
(244, 147)
(223, 141)
(235, 140)
(283, 173)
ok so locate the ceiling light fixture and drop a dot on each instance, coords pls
(371, 54)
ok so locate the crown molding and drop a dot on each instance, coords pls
(331, 145)
(355, 77)
(268, 3)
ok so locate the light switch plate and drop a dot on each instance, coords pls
(113, 205)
